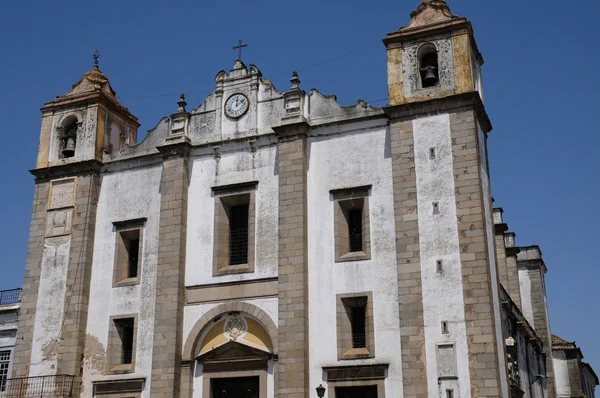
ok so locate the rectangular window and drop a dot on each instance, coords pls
(449, 393)
(351, 224)
(120, 355)
(128, 252)
(233, 251)
(355, 328)
(4, 363)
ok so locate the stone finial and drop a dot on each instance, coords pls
(295, 80)
(181, 102)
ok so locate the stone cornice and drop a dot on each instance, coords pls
(295, 129)
(67, 170)
(452, 103)
(180, 147)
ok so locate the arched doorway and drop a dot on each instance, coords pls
(234, 358)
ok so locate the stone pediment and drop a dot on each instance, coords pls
(430, 12)
(240, 70)
(232, 351)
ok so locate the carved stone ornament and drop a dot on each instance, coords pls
(235, 327)
(62, 193)
(428, 12)
(59, 222)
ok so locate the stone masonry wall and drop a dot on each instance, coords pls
(170, 276)
(292, 367)
(481, 330)
(410, 294)
(29, 296)
(70, 350)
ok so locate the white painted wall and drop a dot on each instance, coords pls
(233, 167)
(124, 195)
(489, 232)
(50, 307)
(561, 373)
(346, 161)
(438, 240)
(526, 300)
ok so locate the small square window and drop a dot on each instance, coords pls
(432, 154)
(445, 329)
(439, 266)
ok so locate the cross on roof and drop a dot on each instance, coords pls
(239, 47)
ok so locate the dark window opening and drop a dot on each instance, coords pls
(238, 234)
(429, 69)
(125, 331)
(355, 230)
(356, 392)
(359, 327)
(449, 393)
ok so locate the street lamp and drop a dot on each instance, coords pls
(320, 391)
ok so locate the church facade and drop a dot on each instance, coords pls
(277, 244)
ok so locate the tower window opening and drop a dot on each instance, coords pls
(69, 139)
(428, 67)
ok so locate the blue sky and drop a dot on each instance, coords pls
(541, 58)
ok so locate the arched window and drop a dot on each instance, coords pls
(68, 138)
(428, 66)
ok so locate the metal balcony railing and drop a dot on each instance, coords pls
(11, 296)
(56, 386)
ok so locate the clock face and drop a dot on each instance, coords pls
(236, 106)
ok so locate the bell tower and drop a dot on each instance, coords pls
(434, 56)
(452, 340)
(78, 129)
(85, 123)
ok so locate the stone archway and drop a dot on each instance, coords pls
(193, 338)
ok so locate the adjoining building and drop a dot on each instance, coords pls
(278, 244)
(10, 303)
(574, 377)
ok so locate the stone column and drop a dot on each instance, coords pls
(71, 348)
(170, 275)
(531, 266)
(410, 294)
(512, 271)
(499, 229)
(29, 295)
(292, 366)
(487, 357)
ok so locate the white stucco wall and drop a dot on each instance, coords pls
(50, 306)
(561, 373)
(233, 167)
(526, 303)
(124, 195)
(438, 240)
(346, 161)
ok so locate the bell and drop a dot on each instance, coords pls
(430, 78)
(69, 150)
